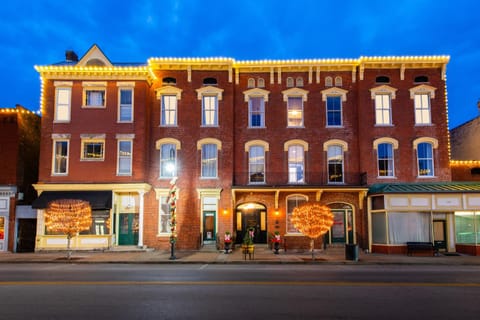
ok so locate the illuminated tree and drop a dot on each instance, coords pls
(313, 220)
(69, 217)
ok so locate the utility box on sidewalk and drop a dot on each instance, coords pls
(351, 252)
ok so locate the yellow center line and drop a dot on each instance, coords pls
(239, 283)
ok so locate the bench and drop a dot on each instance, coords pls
(427, 247)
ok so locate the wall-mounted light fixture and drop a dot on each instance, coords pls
(225, 211)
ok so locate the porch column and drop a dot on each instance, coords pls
(140, 219)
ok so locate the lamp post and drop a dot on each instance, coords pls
(172, 201)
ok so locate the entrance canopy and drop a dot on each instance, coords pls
(97, 199)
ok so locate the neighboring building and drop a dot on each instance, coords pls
(248, 141)
(19, 149)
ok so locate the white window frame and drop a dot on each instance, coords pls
(344, 148)
(161, 195)
(394, 144)
(299, 199)
(434, 145)
(256, 93)
(216, 94)
(165, 173)
(383, 113)
(123, 139)
(159, 145)
(200, 146)
(60, 138)
(125, 86)
(63, 108)
(295, 93)
(256, 162)
(160, 94)
(422, 96)
(90, 87)
(327, 111)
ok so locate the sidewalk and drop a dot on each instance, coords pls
(262, 255)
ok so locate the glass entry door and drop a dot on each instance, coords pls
(209, 226)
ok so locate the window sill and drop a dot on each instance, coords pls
(94, 107)
(125, 121)
(259, 127)
(334, 127)
(93, 160)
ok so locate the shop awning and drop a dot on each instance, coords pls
(432, 187)
(97, 199)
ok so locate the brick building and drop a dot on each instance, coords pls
(19, 148)
(248, 141)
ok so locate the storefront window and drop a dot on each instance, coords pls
(467, 227)
(379, 232)
(410, 226)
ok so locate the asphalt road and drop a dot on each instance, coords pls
(112, 291)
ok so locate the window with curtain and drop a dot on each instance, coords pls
(385, 160)
(256, 164)
(334, 111)
(60, 154)
(383, 109)
(256, 109)
(209, 161)
(124, 157)
(168, 160)
(335, 164)
(62, 104)
(168, 114)
(93, 150)
(292, 203)
(425, 159)
(409, 226)
(209, 111)
(95, 98)
(422, 109)
(296, 164)
(126, 105)
(295, 111)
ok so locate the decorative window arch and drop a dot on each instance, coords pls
(328, 81)
(421, 95)
(299, 82)
(251, 83)
(382, 79)
(290, 82)
(431, 140)
(168, 148)
(419, 79)
(338, 81)
(262, 143)
(378, 141)
(385, 156)
(425, 156)
(331, 142)
(289, 143)
(210, 81)
(261, 83)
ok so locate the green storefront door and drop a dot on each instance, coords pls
(128, 229)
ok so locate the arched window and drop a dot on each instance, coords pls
(335, 163)
(328, 82)
(169, 81)
(296, 164)
(290, 82)
(293, 201)
(338, 81)
(251, 83)
(256, 164)
(210, 81)
(425, 159)
(299, 82)
(382, 79)
(421, 79)
(261, 83)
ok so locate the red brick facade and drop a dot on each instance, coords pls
(233, 135)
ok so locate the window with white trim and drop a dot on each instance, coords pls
(168, 113)
(256, 164)
(296, 164)
(256, 112)
(60, 156)
(164, 215)
(422, 108)
(209, 111)
(209, 160)
(335, 163)
(385, 160)
(125, 108)
(94, 94)
(383, 96)
(124, 166)
(93, 148)
(295, 112)
(168, 160)
(425, 159)
(293, 202)
(63, 101)
(334, 111)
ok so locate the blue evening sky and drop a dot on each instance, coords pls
(39, 32)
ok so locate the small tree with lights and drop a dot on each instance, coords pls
(69, 217)
(313, 220)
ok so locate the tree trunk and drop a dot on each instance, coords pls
(69, 251)
(312, 248)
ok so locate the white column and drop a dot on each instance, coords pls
(140, 219)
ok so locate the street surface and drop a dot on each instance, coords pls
(204, 291)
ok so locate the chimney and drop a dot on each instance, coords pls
(71, 56)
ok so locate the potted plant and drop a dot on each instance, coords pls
(227, 241)
(276, 241)
(247, 246)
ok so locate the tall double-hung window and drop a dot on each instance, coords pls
(335, 160)
(124, 154)
(422, 96)
(256, 160)
(169, 97)
(293, 202)
(125, 98)
(385, 156)
(209, 148)
(61, 143)
(210, 97)
(295, 97)
(63, 101)
(383, 96)
(168, 148)
(334, 97)
(296, 160)
(425, 156)
(256, 99)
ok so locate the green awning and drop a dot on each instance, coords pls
(97, 199)
(426, 187)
